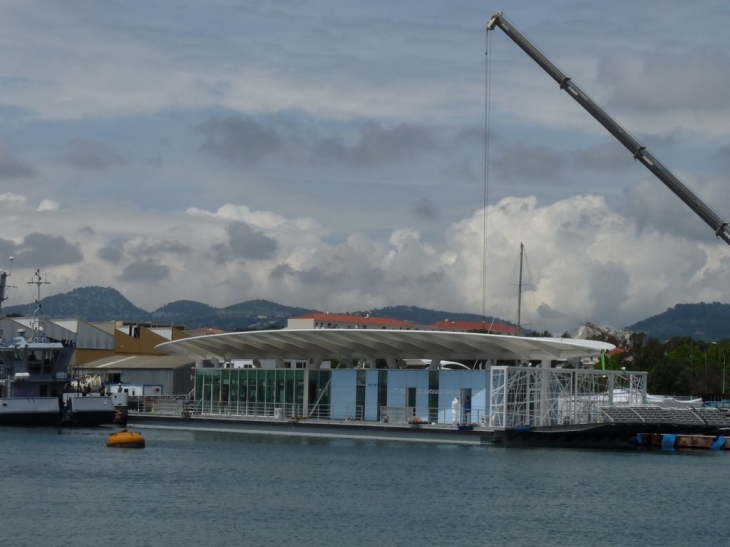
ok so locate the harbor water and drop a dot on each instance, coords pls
(65, 487)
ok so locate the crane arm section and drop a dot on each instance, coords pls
(719, 226)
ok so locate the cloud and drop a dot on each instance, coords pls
(144, 271)
(40, 250)
(7, 249)
(651, 83)
(144, 248)
(520, 162)
(338, 163)
(113, 253)
(607, 156)
(547, 313)
(424, 209)
(85, 154)
(244, 242)
(10, 166)
(652, 206)
(48, 205)
(247, 141)
(377, 144)
(314, 276)
(13, 201)
(238, 139)
(137, 249)
(721, 157)
(241, 213)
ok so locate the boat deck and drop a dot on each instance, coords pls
(439, 433)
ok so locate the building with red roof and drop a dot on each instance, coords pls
(472, 326)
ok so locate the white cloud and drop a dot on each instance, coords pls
(331, 155)
(48, 205)
(8, 199)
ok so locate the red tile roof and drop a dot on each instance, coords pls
(616, 351)
(497, 328)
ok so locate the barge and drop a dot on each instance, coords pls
(518, 389)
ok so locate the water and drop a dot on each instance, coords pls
(221, 489)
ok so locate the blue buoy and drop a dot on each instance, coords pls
(668, 440)
(718, 443)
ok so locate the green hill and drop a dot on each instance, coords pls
(701, 321)
(709, 322)
(86, 303)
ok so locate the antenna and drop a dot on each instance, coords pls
(37, 280)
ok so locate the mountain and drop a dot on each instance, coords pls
(87, 303)
(180, 310)
(107, 304)
(257, 314)
(701, 321)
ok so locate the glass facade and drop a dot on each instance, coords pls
(347, 394)
(262, 391)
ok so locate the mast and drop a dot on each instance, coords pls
(3, 293)
(37, 280)
(4, 285)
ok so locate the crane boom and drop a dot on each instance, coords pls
(639, 152)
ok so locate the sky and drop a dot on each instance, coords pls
(347, 156)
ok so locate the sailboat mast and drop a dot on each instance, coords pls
(519, 292)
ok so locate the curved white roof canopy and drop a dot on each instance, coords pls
(379, 344)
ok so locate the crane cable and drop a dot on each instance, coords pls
(487, 104)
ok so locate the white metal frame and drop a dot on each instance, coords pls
(536, 397)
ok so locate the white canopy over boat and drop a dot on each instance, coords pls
(381, 344)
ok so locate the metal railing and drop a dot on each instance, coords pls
(184, 406)
(281, 411)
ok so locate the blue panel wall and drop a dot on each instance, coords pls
(344, 393)
(397, 384)
(371, 395)
(419, 380)
(452, 383)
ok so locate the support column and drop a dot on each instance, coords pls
(391, 362)
(305, 395)
(315, 363)
(279, 362)
(609, 388)
(544, 404)
(435, 362)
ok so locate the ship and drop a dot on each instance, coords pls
(36, 388)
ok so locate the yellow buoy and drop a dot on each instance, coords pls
(125, 439)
